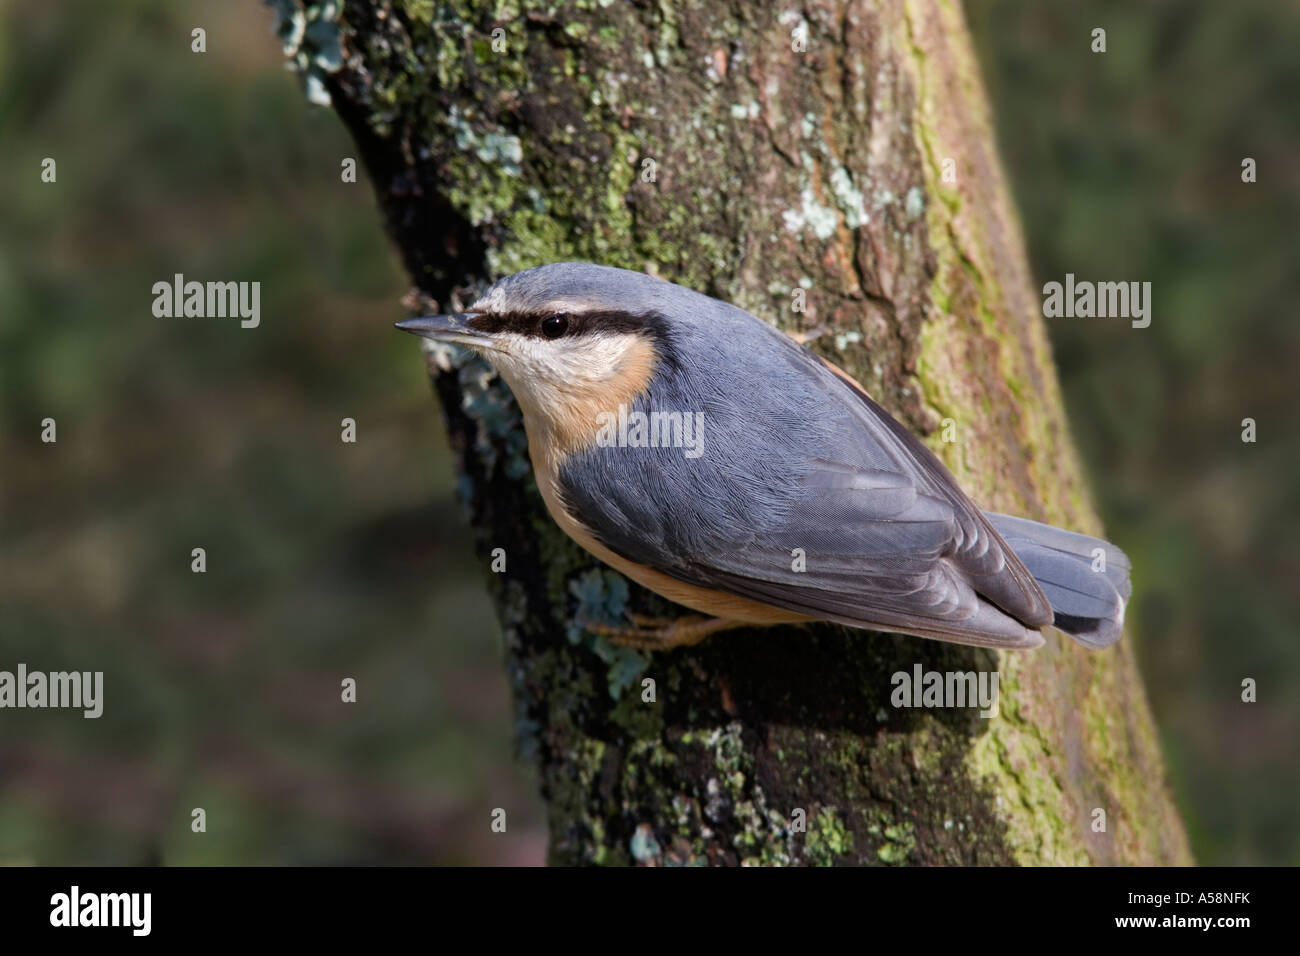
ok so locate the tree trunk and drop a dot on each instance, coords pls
(843, 156)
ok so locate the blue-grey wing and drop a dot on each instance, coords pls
(805, 495)
(859, 546)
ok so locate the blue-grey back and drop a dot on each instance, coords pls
(774, 418)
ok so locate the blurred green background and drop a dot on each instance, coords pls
(329, 560)
(1127, 166)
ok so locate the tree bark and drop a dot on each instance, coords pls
(698, 141)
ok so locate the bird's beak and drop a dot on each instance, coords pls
(446, 328)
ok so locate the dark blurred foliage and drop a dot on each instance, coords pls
(328, 560)
(1126, 165)
(325, 560)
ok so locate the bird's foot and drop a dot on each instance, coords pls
(661, 634)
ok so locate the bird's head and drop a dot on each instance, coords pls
(572, 340)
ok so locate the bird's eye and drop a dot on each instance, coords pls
(553, 326)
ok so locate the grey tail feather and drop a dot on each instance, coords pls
(1087, 604)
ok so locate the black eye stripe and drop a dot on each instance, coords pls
(530, 323)
(494, 323)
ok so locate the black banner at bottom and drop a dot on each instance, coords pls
(339, 905)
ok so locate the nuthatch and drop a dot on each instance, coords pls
(795, 497)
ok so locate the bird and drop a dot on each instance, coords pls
(729, 468)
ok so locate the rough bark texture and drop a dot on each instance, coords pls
(773, 170)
